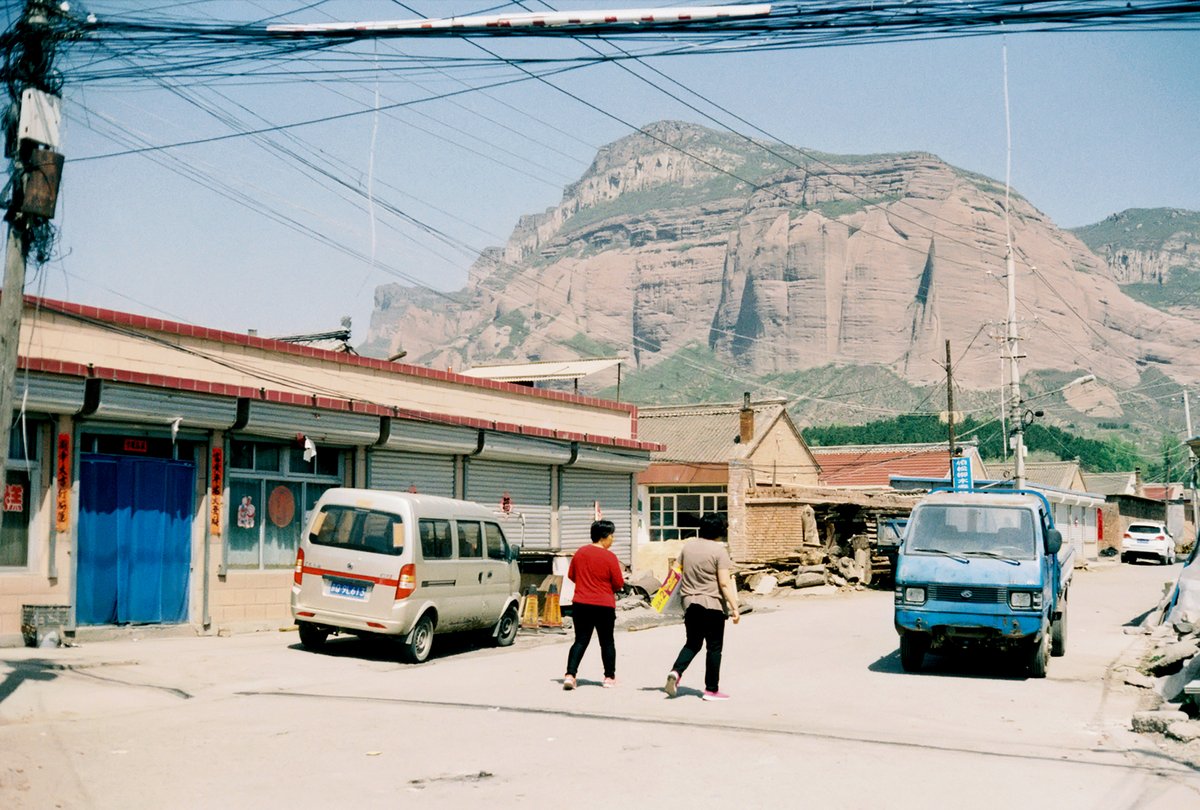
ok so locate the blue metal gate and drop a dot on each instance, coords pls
(135, 517)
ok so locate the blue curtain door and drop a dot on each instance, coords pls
(135, 526)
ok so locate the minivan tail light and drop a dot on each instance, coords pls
(407, 582)
(298, 576)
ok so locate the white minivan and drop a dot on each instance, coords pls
(405, 566)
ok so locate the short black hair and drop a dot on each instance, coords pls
(602, 529)
(713, 526)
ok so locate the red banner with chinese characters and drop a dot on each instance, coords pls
(62, 478)
(217, 492)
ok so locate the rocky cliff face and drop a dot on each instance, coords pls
(1146, 245)
(793, 262)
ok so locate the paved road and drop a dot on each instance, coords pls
(822, 715)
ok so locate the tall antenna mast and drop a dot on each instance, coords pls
(1011, 338)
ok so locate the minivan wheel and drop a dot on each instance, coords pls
(420, 641)
(506, 629)
(312, 636)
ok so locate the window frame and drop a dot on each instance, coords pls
(663, 505)
(306, 481)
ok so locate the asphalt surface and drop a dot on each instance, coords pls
(822, 715)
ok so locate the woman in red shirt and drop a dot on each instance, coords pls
(596, 573)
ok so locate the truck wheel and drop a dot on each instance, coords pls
(420, 641)
(506, 630)
(1039, 654)
(311, 636)
(912, 651)
(1058, 632)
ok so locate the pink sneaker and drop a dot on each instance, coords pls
(568, 683)
(609, 683)
(715, 696)
(672, 687)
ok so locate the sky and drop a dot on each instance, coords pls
(1100, 122)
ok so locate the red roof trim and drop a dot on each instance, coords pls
(268, 344)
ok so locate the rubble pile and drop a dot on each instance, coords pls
(823, 566)
(1170, 665)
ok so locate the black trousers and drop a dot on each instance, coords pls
(586, 619)
(705, 627)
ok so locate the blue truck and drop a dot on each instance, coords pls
(983, 569)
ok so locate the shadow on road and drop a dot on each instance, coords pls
(990, 665)
(35, 669)
(380, 648)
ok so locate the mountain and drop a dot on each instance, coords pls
(764, 262)
(1154, 253)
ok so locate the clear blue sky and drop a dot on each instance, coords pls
(1100, 122)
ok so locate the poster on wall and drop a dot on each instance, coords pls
(62, 477)
(218, 488)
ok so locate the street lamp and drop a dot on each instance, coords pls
(1026, 418)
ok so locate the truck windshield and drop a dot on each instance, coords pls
(966, 530)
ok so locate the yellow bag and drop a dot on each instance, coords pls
(663, 595)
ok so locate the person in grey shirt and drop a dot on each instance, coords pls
(709, 595)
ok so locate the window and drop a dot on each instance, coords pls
(270, 502)
(470, 541)
(358, 529)
(497, 546)
(19, 497)
(675, 513)
(435, 539)
(971, 530)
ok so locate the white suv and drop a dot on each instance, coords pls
(1148, 540)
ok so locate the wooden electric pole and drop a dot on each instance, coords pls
(30, 137)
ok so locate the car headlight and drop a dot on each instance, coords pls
(914, 595)
(1025, 600)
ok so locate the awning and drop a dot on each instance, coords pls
(543, 370)
(322, 426)
(122, 402)
(426, 437)
(510, 447)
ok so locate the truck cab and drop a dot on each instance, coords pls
(983, 569)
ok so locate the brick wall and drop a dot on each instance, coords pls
(774, 529)
(245, 599)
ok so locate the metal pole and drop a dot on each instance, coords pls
(1187, 416)
(1014, 380)
(950, 398)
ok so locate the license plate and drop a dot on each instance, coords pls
(1143, 540)
(350, 590)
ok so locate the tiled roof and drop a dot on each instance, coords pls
(1162, 492)
(703, 434)
(874, 465)
(1058, 474)
(1118, 483)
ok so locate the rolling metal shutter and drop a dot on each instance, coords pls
(581, 489)
(429, 474)
(161, 406)
(528, 485)
(280, 421)
(44, 393)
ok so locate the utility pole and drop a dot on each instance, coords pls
(30, 137)
(1015, 417)
(1187, 417)
(950, 398)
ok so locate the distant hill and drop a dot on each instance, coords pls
(1153, 253)
(837, 278)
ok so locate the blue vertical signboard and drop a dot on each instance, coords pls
(960, 472)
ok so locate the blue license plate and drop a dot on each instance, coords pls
(1143, 540)
(350, 590)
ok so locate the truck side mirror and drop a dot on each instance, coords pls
(514, 553)
(1053, 541)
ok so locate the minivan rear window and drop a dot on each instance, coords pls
(358, 529)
